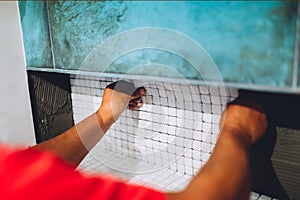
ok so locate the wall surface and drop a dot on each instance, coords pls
(16, 119)
(253, 44)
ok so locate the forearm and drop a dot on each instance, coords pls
(74, 144)
(226, 174)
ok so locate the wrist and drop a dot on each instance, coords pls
(239, 134)
(105, 117)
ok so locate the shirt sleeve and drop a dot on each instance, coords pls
(31, 174)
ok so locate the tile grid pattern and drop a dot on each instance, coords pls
(162, 145)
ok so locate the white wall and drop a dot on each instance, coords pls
(16, 124)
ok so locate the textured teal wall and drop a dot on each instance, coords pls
(250, 42)
(36, 33)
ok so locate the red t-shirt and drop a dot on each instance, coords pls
(30, 174)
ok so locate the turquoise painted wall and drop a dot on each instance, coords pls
(251, 42)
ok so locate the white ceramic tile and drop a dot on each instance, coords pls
(214, 91)
(264, 197)
(194, 89)
(203, 90)
(205, 98)
(207, 117)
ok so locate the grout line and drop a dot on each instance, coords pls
(50, 36)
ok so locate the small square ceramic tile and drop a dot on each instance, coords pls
(207, 118)
(188, 153)
(233, 92)
(214, 91)
(206, 127)
(205, 98)
(155, 118)
(196, 153)
(254, 196)
(180, 168)
(206, 147)
(188, 123)
(203, 90)
(215, 100)
(185, 89)
(197, 107)
(197, 135)
(170, 94)
(157, 161)
(195, 171)
(197, 125)
(216, 109)
(224, 100)
(206, 108)
(179, 113)
(163, 138)
(176, 87)
(74, 89)
(171, 111)
(167, 86)
(214, 138)
(164, 101)
(72, 81)
(180, 104)
(171, 149)
(179, 141)
(187, 142)
(148, 99)
(103, 84)
(197, 116)
(206, 137)
(188, 162)
(155, 109)
(264, 197)
(196, 163)
(149, 143)
(216, 118)
(179, 150)
(171, 121)
(196, 97)
(194, 89)
(188, 170)
(156, 100)
(188, 105)
(188, 114)
(188, 134)
(223, 92)
(172, 102)
(152, 91)
(215, 128)
(196, 145)
(172, 130)
(162, 93)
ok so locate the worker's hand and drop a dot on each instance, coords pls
(118, 96)
(245, 117)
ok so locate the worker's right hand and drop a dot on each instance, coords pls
(118, 96)
(244, 116)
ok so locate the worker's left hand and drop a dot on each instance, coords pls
(121, 95)
(246, 117)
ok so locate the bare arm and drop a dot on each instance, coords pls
(74, 144)
(226, 174)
